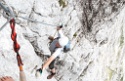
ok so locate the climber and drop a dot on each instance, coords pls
(56, 47)
(6, 78)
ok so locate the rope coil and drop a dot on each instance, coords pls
(15, 43)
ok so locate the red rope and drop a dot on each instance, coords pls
(16, 46)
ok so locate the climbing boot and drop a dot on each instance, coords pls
(51, 75)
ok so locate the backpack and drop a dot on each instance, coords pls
(67, 47)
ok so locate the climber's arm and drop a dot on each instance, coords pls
(54, 55)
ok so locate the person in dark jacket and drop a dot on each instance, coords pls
(56, 47)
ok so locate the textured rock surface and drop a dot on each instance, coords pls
(96, 30)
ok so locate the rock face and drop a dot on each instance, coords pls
(96, 30)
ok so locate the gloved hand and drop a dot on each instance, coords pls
(38, 72)
(59, 27)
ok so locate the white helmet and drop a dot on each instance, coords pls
(63, 41)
